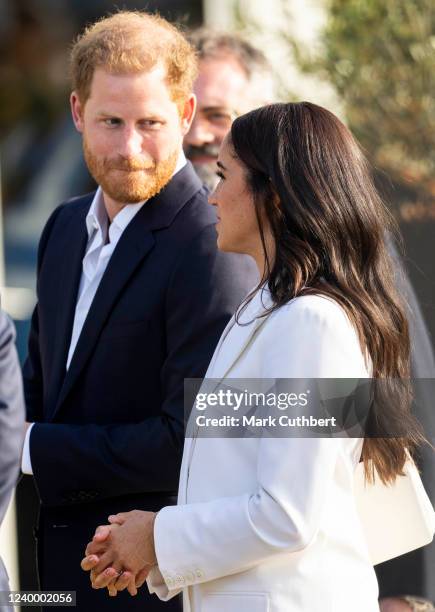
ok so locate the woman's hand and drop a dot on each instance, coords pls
(394, 604)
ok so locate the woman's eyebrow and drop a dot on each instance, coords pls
(220, 165)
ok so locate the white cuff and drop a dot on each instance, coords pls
(26, 462)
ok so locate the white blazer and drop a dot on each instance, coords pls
(270, 524)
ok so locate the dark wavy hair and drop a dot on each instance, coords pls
(311, 182)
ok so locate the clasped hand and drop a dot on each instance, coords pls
(122, 553)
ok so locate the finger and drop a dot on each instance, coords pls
(119, 518)
(89, 562)
(142, 576)
(110, 575)
(96, 548)
(105, 561)
(123, 581)
(101, 533)
(132, 589)
(112, 590)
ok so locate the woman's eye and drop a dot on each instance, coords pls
(220, 175)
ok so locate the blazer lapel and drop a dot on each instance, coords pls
(129, 252)
(233, 341)
(135, 243)
(184, 471)
(235, 338)
(73, 247)
(238, 335)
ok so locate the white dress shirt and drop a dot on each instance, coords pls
(103, 237)
(102, 241)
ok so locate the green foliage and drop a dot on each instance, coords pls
(380, 57)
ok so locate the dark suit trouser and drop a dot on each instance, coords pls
(62, 538)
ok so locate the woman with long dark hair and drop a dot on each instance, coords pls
(270, 523)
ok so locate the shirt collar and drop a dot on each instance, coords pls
(98, 221)
(181, 162)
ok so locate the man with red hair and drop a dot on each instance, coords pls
(132, 298)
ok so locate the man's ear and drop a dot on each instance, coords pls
(187, 113)
(77, 111)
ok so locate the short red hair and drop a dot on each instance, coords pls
(132, 42)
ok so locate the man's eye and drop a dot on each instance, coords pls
(112, 122)
(220, 118)
(151, 123)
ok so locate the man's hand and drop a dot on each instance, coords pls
(126, 544)
(394, 604)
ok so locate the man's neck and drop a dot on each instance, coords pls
(112, 206)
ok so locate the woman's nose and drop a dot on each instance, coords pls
(212, 198)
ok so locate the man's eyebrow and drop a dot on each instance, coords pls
(220, 165)
(219, 109)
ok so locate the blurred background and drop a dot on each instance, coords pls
(372, 62)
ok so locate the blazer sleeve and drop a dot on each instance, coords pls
(200, 542)
(113, 460)
(11, 412)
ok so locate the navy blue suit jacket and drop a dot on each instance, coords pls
(109, 431)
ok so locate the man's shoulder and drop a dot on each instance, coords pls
(198, 211)
(76, 203)
(61, 216)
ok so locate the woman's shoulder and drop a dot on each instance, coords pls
(312, 335)
(315, 308)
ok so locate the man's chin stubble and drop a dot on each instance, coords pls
(132, 195)
(127, 186)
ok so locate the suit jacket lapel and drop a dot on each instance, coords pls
(129, 252)
(135, 243)
(238, 335)
(73, 250)
(235, 338)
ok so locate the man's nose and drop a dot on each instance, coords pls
(199, 134)
(131, 144)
